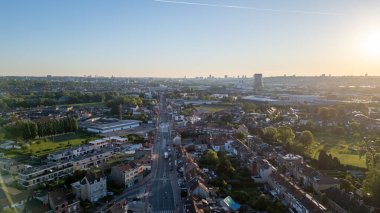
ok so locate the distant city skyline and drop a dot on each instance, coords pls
(177, 38)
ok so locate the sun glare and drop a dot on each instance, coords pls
(372, 45)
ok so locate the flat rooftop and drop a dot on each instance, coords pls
(111, 125)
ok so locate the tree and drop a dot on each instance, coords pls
(210, 158)
(285, 134)
(225, 166)
(371, 184)
(270, 133)
(306, 137)
(2, 135)
(323, 113)
(240, 135)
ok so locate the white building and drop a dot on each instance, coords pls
(92, 187)
(264, 170)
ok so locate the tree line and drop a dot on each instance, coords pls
(32, 129)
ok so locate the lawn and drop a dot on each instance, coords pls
(212, 108)
(338, 146)
(45, 146)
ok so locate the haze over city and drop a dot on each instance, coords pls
(157, 38)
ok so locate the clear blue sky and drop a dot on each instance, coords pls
(156, 38)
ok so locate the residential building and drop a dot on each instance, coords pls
(11, 166)
(92, 159)
(198, 188)
(289, 161)
(92, 187)
(293, 196)
(12, 199)
(61, 202)
(314, 179)
(341, 202)
(263, 170)
(32, 176)
(127, 174)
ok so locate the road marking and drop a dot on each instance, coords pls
(164, 211)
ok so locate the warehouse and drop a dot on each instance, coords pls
(113, 126)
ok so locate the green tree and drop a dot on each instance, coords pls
(270, 133)
(225, 166)
(371, 184)
(211, 159)
(323, 113)
(306, 137)
(285, 135)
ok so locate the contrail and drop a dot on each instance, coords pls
(249, 8)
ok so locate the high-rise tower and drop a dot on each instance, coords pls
(258, 82)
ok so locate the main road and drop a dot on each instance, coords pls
(162, 199)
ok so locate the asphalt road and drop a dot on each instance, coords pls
(162, 198)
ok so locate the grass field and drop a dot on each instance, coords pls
(42, 147)
(212, 108)
(338, 146)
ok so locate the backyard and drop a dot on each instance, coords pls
(344, 147)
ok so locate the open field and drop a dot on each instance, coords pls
(42, 147)
(212, 108)
(338, 146)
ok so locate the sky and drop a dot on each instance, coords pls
(177, 38)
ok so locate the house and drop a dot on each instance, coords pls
(229, 148)
(12, 199)
(92, 187)
(264, 170)
(198, 188)
(289, 161)
(191, 170)
(11, 166)
(127, 174)
(61, 202)
(33, 176)
(312, 178)
(341, 202)
(293, 196)
(120, 206)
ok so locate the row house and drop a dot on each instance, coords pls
(92, 146)
(197, 187)
(293, 196)
(70, 153)
(213, 130)
(341, 202)
(314, 179)
(289, 161)
(107, 142)
(32, 176)
(92, 159)
(127, 174)
(263, 170)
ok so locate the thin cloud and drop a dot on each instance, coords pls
(250, 8)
